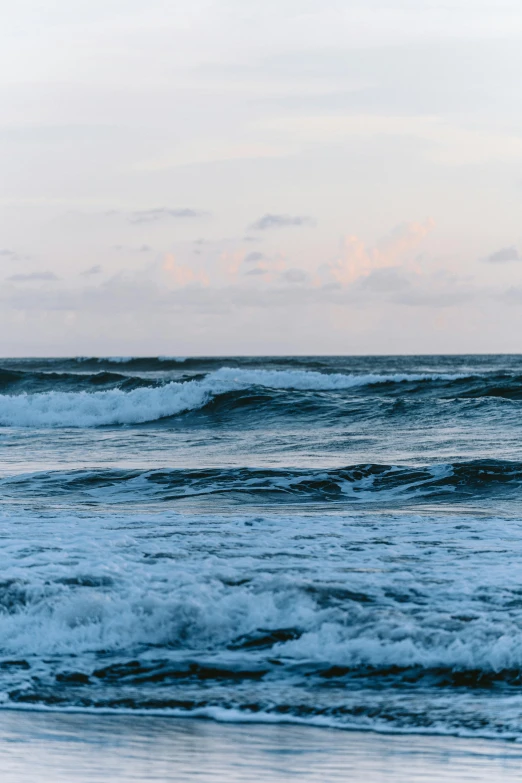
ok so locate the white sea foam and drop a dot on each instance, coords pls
(172, 590)
(122, 583)
(91, 409)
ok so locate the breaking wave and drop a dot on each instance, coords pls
(117, 406)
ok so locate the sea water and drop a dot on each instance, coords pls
(317, 541)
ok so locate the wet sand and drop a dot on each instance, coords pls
(80, 748)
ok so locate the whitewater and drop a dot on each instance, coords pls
(327, 541)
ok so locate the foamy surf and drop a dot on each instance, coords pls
(134, 613)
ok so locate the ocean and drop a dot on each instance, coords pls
(332, 542)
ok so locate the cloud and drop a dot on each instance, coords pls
(403, 238)
(33, 276)
(12, 255)
(269, 221)
(162, 213)
(512, 295)
(270, 267)
(93, 270)
(181, 275)
(131, 295)
(253, 258)
(384, 280)
(504, 255)
(356, 259)
(415, 287)
(128, 249)
(294, 276)
(257, 271)
(430, 293)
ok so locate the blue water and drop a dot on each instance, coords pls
(318, 540)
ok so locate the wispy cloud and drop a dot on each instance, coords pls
(32, 276)
(157, 214)
(257, 271)
(504, 255)
(294, 276)
(93, 270)
(12, 255)
(253, 258)
(270, 221)
(263, 265)
(128, 249)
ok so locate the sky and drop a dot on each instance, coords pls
(187, 177)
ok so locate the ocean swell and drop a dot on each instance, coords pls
(369, 483)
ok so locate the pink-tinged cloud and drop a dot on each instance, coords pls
(229, 264)
(181, 275)
(356, 260)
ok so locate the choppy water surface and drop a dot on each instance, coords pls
(329, 541)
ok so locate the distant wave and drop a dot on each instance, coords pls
(131, 360)
(33, 382)
(116, 406)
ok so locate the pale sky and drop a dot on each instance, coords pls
(260, 176)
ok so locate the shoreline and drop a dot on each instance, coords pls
(66, 747)
(234, 717)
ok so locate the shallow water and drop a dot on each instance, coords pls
(325, 541)
(87, 749)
